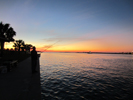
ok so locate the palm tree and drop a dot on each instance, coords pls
(6, 35)
(3, 29)
(10, 33)
(18, 44)
(28, 47)
(22, 46)
(16, 47)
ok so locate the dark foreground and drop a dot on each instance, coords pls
(20, 83)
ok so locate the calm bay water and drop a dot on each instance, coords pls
(81, 76)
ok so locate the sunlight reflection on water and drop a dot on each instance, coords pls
(80, 76)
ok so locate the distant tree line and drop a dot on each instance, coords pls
(20, 45)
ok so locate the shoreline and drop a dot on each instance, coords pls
(129, 53)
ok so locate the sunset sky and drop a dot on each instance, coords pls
(71, 25)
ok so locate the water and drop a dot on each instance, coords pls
(81, 76)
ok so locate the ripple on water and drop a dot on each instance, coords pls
(88, 79)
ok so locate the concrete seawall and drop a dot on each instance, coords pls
(20, 83)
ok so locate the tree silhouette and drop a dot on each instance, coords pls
(22, 46)
(28, 47)
(18, 44)
(6, 35)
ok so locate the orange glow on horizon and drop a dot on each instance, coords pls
(104, 44)
(102, 50)
(87, 47)
(79, 47)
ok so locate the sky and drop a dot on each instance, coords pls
(71, 25)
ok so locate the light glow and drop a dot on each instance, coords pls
(71, 26)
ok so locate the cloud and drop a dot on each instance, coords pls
(45, 47)
(75, 38)
(66, 39)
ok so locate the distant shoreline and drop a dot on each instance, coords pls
(108, 53)
(93, 52)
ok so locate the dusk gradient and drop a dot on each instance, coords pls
(71, 25)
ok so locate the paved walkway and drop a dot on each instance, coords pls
(20, 83)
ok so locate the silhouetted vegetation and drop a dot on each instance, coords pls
(14, 55)
(21, 51)
(6, 35)
(28, 47)
(19, 44)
